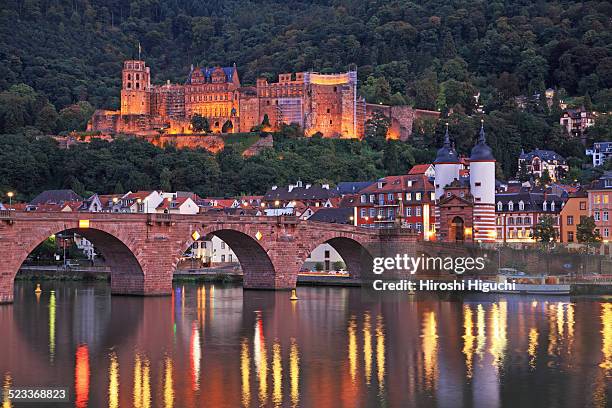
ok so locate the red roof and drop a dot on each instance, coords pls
(419, 168)
(139, 194)
(177, 202)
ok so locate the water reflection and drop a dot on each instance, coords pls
(335, 348)
(113, 381)
(6, 386)
(81, 376)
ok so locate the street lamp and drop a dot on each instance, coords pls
(139, 201)
(10, 195)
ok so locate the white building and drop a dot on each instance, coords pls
(177, 205)
(213, 251)
(601, 152)
(142, 201)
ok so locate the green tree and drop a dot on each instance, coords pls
(200, 123)
(545, 178)
(586, 232)
(165, 180)
(545, 231)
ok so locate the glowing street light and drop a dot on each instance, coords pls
(10, 195)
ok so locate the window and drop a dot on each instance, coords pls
(510, 206)
(570, 236)
(596, 215)
(417, 196)
(381, 212)
(448, 194)
(605, 215)
(363, 213)
(478, 184)
(521, 205)
(372, 198)
(390, 197)
(605, 199)
(510, 220)
(419, 226)
(527, 220)
(519, 220)
(544, 206)
(606, 233)
(583, 205)
(552, 206)
(390, 213)
(364, 199)
(230, 258)
(327, 253)
(500, 206)
(222, 258)
(222, 245)
(408, 196)
(417, 211)
(597, 199)
(570, 220)
(408, 211)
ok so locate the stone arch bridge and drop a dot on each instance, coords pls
(142, 250)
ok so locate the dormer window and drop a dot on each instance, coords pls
(544, 206)
(552, 206)
(500, 206)
(510, 206)
(521, 205)
(380, 184)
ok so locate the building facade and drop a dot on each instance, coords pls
(406, 200)
(576, 121)
(465, 203)
(600, 152)
(574, 210)
(539, 161)
(319, 103)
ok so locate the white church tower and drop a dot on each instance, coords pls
(482, 188)
(447, 167)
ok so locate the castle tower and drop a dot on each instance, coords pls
(482, 188)
(136, 88)
(446, 167)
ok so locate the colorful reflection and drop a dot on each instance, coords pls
(6, 386)
(294, 373)
(277, 375)
(533, 346)
(498, 321)
(481, 330)
(168, 383)
(81, 376)
(352, 348)
(142, 382)
(468, 339)
(52, 313)
(195, 356)
(261, 359)
(245, 373)
(380, 354)
(113, 381)
(429, 334)
(367, 346)
(606, 337)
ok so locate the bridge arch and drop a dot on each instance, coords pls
(127, 276)
(352, 249)
(257, 259)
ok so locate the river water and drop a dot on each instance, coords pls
(219, 346)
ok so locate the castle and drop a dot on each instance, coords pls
(324, 103)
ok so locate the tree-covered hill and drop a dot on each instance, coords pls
(431, 53)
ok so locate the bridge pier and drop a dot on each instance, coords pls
(6, 287)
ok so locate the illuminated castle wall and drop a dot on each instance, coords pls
(325, 103)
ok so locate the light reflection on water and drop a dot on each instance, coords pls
(217, 346)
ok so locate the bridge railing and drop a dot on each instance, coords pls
(6, 215)
(159, 218)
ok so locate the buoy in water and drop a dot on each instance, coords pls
(293, 295)
(38, 289)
